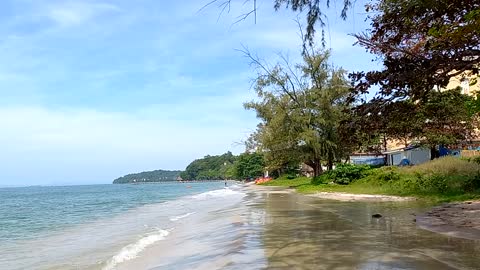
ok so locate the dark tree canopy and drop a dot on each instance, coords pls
(249, 165)
(422, 45)
(444, 117)
(210, 168)
(151, 176)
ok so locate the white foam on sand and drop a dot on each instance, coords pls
(131, 251)
(219, 193)
(176, 218)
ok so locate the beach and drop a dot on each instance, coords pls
(453, 219)
(275, 228)
(248, 227)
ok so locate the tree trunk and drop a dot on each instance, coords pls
(433, 153)
(330, 165)
(330, 162)
(317, 168)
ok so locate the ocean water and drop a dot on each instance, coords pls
(97, 226)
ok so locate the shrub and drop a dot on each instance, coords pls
(343, 174)
(322, 179)
(448, 175)
(383, 175)
(475, 159)
(472, 184)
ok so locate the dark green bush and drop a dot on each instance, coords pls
(388, 174)
(343, 174)
(475, 159)
(472, 184)
(322, 179)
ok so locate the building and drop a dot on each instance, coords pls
(414, 155)
(467, 81)
(367, 159)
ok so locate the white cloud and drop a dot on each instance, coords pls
(82, 144)
(74, 13)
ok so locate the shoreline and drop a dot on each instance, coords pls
(458, 219)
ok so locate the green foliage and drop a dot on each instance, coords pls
(441, 118)
(300, 107)
(443, 179)
(284, 181)
(210, 168)
(151, 176)
(248, 165)
(475, 159)
(343, 174)
(448, 175)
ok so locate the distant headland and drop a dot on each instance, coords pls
(150, 176)
(209, 168)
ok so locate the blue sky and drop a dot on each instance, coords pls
(92, 90)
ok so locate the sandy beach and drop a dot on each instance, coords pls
(453, 219)
(339, 196)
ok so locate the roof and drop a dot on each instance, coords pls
(401, 150)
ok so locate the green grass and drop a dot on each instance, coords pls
(441, 180)
(285, 182)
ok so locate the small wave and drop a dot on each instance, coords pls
(181, 216)
(217, 194)
(131, 251)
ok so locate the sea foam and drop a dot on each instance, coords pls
(131, 251)
(176, 218)
(219, 193)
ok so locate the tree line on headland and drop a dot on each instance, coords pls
(226, 166)
(150, 176)
(219, 167)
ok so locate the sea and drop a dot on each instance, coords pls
(100, 226)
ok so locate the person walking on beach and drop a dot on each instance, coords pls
(225, 182)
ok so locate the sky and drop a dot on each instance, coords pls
(93, 90)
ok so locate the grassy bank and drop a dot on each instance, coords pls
(444, 179)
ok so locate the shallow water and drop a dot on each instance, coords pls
(343, 235)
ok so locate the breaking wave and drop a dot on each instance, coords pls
(131, 251)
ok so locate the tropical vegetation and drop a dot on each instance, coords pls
(443, 179)
(300, 107)
(150, 176)
(225, 166)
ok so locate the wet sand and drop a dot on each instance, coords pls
(274, 228)
(453, 219)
